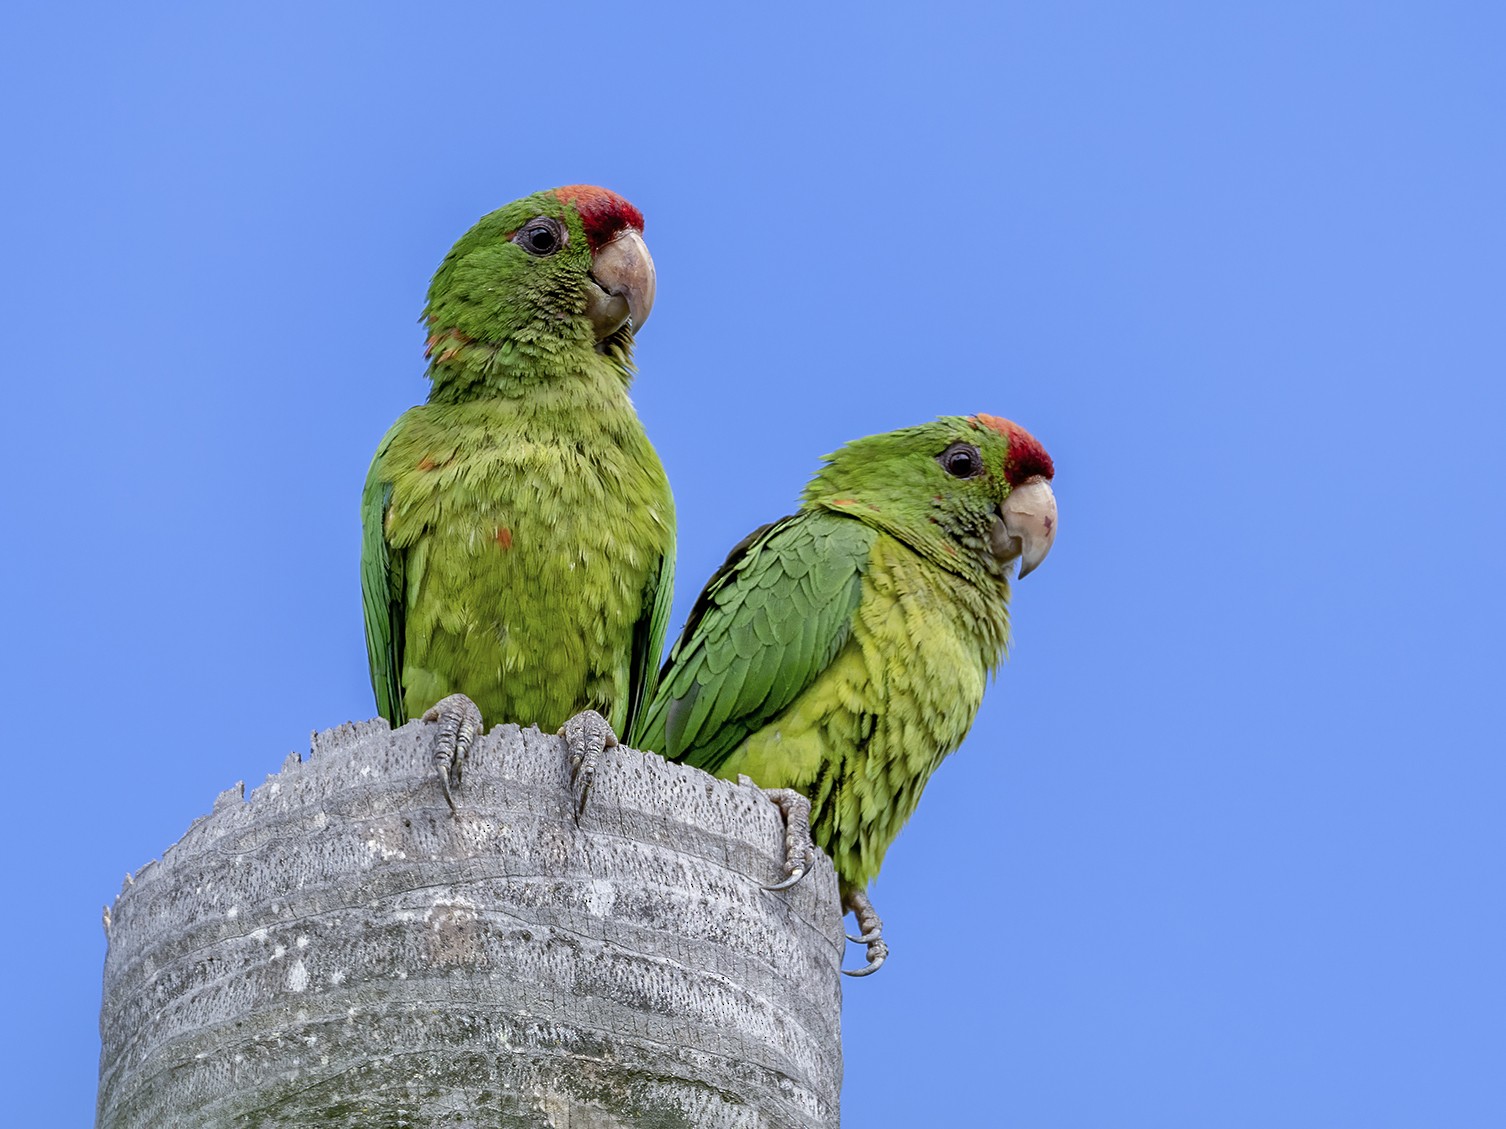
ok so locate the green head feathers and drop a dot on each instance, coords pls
(968, 492)
(538, 286)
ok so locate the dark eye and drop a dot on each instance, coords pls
(961, 460)
(542, 236)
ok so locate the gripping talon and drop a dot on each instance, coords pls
(586, 735)
(799, 850)
(459, 722)
(856, 901)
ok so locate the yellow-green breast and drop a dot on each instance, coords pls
(862, 740)
(529, 550)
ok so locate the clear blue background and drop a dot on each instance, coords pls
(1224, 847)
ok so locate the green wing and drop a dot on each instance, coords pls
(383, 591)
(770, 620)
(648, 641)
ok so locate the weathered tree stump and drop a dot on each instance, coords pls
(342, 950)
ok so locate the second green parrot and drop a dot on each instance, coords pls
(840, 653)
(518, 547)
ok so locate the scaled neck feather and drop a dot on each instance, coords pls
(463, 369)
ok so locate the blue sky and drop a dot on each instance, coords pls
(1224, 846)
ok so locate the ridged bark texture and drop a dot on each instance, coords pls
(341, 950)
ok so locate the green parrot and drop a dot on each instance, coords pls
(840, 653)
(518, 538)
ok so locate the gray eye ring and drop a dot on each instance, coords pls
(961, 460)
(541, 236)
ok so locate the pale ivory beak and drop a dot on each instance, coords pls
(623, 273)
(1026, 525)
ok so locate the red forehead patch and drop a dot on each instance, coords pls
(1027, 458)
(602, 213)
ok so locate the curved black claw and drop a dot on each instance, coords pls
(799, 850)
(586, 735)
(872, 933)
(459, 724)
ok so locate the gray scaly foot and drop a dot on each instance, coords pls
(870, 931)
(459, 724)
(799, 850)
(586, 735)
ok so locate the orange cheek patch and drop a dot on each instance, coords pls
(504, 538)
(453, 338)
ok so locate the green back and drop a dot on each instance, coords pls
(765, 626)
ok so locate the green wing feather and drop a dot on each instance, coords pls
(770, 620)
(383, 592)
(648, 641)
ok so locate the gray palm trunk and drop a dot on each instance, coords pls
(339, 949)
